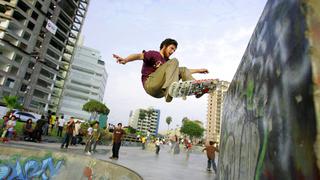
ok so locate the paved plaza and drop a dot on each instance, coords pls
(150, 166)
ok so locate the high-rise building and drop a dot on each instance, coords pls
(215, 108)
(86, 81)
(37, 40)
(145, 120)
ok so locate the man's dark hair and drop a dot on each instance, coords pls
(167, 42)
(211, 142)
(119, 124)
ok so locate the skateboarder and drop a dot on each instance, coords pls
(158, 71)
(211, 149)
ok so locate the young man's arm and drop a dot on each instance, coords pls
(131, 57)
(202, 71)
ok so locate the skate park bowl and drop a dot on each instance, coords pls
(271, 112)
(17, 163)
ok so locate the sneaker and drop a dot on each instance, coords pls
(199, 95)
(88, 153)
(111, 157)
(208, 169)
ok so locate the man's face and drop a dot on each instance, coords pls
(169, 50)
(119, 126)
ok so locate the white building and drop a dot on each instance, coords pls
(145, 120)
(215, 108)
(86, 81)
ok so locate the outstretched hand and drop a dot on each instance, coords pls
(203, 71)
(120, 60)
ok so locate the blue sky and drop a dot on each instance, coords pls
(211, 34)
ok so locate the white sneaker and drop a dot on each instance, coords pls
(88, 153)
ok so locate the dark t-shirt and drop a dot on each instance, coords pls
(117, 135)
(150, 61)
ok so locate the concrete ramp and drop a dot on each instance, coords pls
(24, 164)
(271, 118)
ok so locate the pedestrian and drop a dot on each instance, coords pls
(176, 145)
(28, 130)
(211, 149)
(61, 122)
(4, 127)
(158, 71)
(38, 130)
(68, 134)
(157, 143)
(118, 133)
(93, 139)
(74, 140)
(10, 126)
(143, 142)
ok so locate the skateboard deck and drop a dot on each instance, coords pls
(194, 87)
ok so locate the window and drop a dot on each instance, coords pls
(9, 83)
(23, 88)
(30, 25)
(18, 58)
(34, 15)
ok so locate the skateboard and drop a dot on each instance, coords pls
(194, 87)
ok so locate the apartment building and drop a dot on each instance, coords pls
(215, 108)
(145, 120)
(86, 81)
(37, 41)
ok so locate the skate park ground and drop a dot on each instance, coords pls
(145, 163)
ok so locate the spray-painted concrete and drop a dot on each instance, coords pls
(271, 123)
(27, 164)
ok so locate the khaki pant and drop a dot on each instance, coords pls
(164, 76)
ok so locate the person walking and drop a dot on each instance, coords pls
(158, 71)
(118, 133)
(69, 133)
(211, 149)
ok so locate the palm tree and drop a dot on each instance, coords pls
(12, 102)
(168, 121)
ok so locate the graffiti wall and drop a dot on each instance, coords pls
(271, 122)
(26, 164)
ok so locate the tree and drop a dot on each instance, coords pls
(168, 121)
(191, 128)
(185, 119)
(11, 102)
(95, 107)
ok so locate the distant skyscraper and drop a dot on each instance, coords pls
(145, 120)
(215, 108)
(37, 40)
(86, 81)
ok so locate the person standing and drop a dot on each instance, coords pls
(211, 149)
(117, 136)
(143, 142)
(69, 133)
(93, 139)
(157, 143)
(38, 130)
(60, 126)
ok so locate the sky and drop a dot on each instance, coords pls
(212, 34)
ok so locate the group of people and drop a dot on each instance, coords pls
(8, 127)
